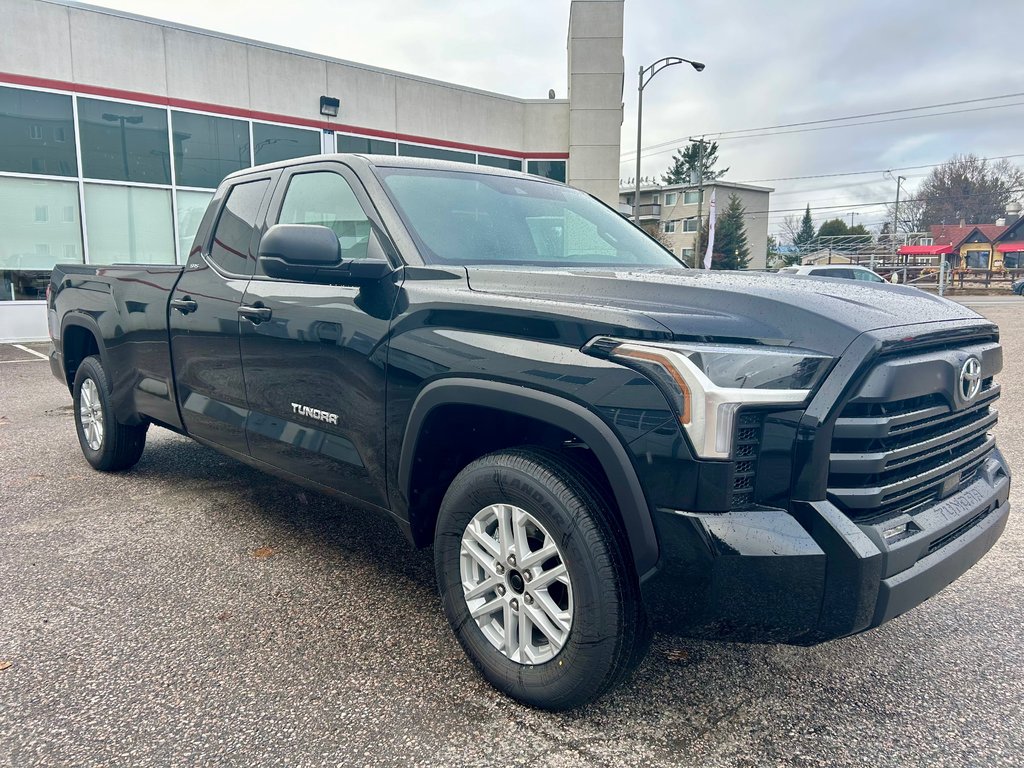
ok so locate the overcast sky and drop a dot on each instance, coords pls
(767, 63)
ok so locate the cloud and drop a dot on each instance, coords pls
(767, 63)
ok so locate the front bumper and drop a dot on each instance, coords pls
(768, 575)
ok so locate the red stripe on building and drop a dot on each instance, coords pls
(252, 114)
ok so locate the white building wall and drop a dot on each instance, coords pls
(112, 50)
(102, 53)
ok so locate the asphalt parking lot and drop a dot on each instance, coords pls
(193, 611)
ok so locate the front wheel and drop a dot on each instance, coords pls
(107, 445)
(536, 581)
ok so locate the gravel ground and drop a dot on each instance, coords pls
(194, 611)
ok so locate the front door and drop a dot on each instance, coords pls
(314, 358)
(204, 319)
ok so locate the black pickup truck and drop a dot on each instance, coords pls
(595, 440)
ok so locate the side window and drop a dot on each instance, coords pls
(325, 198)
(233, 234)
(866, 276)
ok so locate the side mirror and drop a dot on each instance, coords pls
(311, 253)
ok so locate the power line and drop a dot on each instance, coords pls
(864, 173)
(867, 122)
(755, 132)
(883, 202)
(874, 114)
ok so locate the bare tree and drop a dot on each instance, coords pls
(910, 216)
(965, 187)
(790, 228)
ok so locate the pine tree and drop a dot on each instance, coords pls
(806, 234)
(686, 161)
(730, 249)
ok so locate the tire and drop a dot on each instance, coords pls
(601, 633)
(107, 445)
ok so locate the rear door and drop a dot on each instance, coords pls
(204, 316)
(314, 358)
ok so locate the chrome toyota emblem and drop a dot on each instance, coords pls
(970, 379)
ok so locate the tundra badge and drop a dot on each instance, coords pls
(315, 413)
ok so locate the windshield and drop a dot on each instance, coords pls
(475, 218)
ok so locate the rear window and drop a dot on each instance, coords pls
(471, 218)
(230, 250)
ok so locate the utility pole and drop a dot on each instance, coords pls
(698, 257)
(896, 217)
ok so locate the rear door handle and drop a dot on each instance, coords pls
(255, 314)
(184, 305)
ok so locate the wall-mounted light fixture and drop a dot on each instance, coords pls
(329, 107)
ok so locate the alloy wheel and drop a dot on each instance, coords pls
(516, 584)
(90, 413)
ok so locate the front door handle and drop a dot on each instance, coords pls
(184, 305)
(255, 314)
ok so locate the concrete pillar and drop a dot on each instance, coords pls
(595, 96)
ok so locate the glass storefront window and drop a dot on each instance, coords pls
(207, 148)
(39, 223)
(550, 169)
(278, 142)
(191, 208)
(434, 153)
(977, 259)
(37, 133)
(365, 146)
(123, 142)
(24, 284)
(500, 162)
(129, 225)
(1013, 259)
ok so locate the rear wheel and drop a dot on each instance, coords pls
(107, 445)
(536, 581)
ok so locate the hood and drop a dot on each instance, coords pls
(810, 312)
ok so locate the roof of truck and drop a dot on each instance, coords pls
(390, 161)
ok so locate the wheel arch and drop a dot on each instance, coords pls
(80, 337)
(610, 453)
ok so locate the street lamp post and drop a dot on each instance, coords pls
(646, 73)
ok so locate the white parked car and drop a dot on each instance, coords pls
(843, 271)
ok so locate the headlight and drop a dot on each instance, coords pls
(709, 383)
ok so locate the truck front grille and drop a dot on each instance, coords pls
(891, 457)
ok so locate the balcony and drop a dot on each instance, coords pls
(649, 211)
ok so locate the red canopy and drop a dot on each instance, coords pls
(925, 250)
(1010, 247)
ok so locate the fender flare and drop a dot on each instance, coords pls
(566, 414)
(79, 320)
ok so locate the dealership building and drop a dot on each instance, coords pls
(115, 129)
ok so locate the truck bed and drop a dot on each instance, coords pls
(126, 307)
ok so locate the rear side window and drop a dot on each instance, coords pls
(232, 238)
(325, 198)
(846, 274)
(865, 275)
